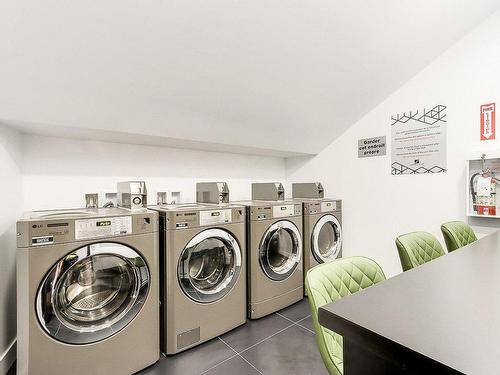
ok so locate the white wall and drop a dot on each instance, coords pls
(57, 172)
(378, 206)
(233, 72)
(12, 198)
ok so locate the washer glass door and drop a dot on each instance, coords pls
(326, 239)
(92, 293)
(209, 265)
(280, 250)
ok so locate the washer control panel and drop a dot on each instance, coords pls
(58, 230)
(262, 213)
(275, 211)
(215, 217)
(202, 218)
(284, 211)
(103, 227)
(328, 206)
(322, 206)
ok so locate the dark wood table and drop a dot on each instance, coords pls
(440, 318)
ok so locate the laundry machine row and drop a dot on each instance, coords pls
(95, 283)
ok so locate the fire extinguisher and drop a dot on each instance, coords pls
(484, 191)
(486, 202)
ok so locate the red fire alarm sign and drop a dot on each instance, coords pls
(488, 122)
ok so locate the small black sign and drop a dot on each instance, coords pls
(105, 223)
(46, 240)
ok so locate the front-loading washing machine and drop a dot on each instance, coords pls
(87, 291)
(203, 268)
(275, 269)
(322, 231)
(322, 224)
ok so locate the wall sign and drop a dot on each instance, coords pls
(418, 142)
(369, 147)
(488, 122)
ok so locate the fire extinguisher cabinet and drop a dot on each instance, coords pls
(483, 185)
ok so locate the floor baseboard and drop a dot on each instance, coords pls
(7, 358)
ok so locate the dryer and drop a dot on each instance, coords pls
(203, 273)
(87, 291)
(275, 269)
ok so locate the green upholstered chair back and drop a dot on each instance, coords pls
(328, 283)
(417, 248)
(457, 234)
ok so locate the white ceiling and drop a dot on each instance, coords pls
(274, 76)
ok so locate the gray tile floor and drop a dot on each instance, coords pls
(281, 343)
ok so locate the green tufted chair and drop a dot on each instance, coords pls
(417, 248)
(457, 234)
(328, 283)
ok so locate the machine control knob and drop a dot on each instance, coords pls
(137, 200)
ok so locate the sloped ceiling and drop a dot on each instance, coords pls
(274, 76)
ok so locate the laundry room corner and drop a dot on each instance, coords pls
(378, 205)
(12, 206)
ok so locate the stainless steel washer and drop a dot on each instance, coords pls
(322, 231)
(275, 266)
(203, 273)
(87, 291)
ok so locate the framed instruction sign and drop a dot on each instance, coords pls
(418, 141)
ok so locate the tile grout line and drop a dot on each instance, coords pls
(292, 321)
(300, 325)
(284, 317)
(267, 338)
(238, 354)
(297, 323)
(220, 363)
(304, 318)
(256, 369)
(307, 329)
(257, 343)
(229, 346)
